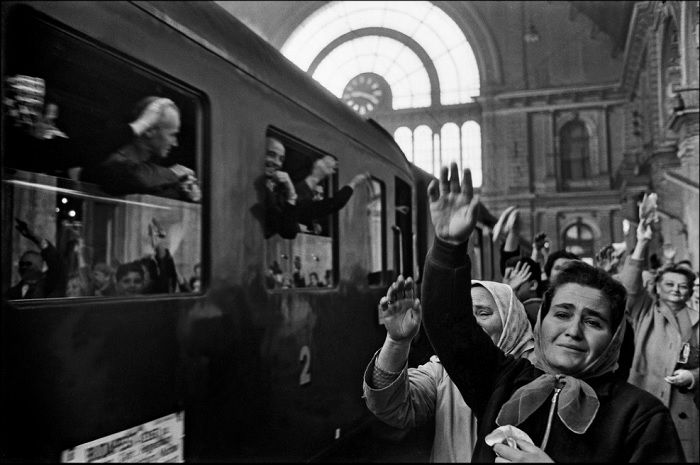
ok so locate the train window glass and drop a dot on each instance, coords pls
(75, 225)
(300, 240)
(364, 231)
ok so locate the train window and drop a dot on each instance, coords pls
(300, 251)
(368, 234)
(100, 184)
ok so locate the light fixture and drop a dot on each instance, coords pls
(531, 36)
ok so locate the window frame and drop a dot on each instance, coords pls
(195, 98)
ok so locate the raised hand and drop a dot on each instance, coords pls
(518, 275)
(453, 208)
(401, 310)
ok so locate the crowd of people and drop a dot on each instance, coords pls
(562, 361)
(68, 271)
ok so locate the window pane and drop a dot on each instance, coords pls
(471, 150)
(449, 141)
(100, 216)
(423, 148)
(299, 246)
(404, 138)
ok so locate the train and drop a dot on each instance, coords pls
(255, 363)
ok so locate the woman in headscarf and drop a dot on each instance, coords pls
(407, 397)
(570, 403)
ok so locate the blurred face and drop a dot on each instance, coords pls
(163, 137)
(673, 288)
(558, 265)
(696, 290)
(324, 167)
(577, 328)
(101, 279)
(486, 313)
(30, 266)
(274, 157)
(73, 288)
(131, 283)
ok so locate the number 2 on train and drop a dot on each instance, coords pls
(305, 357)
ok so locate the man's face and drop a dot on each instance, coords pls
(131, 283)
(274, 157)
(673, 288)
(163, 137)
(30, 266)
(486, 313)
(577, 328)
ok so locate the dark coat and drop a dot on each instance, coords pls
(630, 426)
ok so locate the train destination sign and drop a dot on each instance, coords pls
(159, 441)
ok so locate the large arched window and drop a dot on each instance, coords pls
(575, 158)
(383, 56)
(579, 239)
(364, 27)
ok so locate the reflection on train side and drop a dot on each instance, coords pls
(69, 242)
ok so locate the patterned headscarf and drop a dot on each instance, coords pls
(516, 337)
(578, 403)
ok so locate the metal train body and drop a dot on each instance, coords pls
(259, 374)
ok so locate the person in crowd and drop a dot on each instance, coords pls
(314, 281)
(35, 283)
(31, 128)
(103, 280)
(298, 275)
(569, 403)
(278, 193)
(608, 259)
(160, 272)
(79, 282)
(557, 261)
(523, 275)
(665, 360)
(311, 206)
(694, 301)
(137, 167)
(540, 252)
(130, 279)
(407, 397)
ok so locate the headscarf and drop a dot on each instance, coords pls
(578, 403)
(516, 338)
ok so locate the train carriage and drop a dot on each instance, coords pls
(251, 367)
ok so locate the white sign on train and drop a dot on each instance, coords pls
(158, 441)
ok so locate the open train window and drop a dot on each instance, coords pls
(300, 203)
(93, 205)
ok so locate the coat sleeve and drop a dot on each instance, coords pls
(653, 439)
(471, 359)
(407, 402)
(638, 299)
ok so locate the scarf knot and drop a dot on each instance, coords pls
(576, 407)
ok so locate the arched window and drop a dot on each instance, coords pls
(579, 239)
(575, 162)
(437, 162)
(404, 138)
(423, 148)
(471, 150)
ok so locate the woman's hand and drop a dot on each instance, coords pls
(401, 310)
(453, 209)
(526, 452)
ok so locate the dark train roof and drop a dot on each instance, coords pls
(214, 28)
